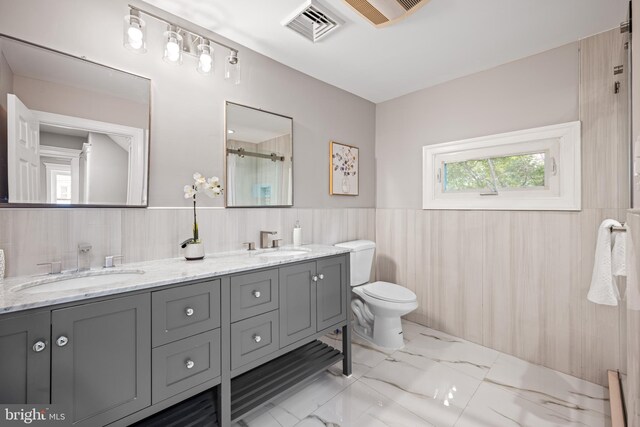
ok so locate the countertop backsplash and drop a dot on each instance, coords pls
(33, 236)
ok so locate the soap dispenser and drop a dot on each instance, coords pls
(297, 234)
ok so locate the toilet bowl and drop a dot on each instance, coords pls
(378, 306)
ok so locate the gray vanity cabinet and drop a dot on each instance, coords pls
(24, 359)
(331, 292)
(313, 297)
(297, 302)
(101, 359)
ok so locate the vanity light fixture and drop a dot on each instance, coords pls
(178, 41)
(205, 57)
(173, 45)
(135, 32)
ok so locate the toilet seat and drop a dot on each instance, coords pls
(391, 292)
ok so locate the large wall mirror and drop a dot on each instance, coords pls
(72, 132)
(259, 151)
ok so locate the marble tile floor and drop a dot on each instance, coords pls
(437, 380)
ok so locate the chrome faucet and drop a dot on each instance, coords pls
(264, 238)
(82, 250)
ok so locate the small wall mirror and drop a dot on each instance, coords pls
(72, 132)
(259, 166)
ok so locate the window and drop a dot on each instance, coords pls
(63, 188)
(535, 169)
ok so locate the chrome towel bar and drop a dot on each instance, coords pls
(621, 229)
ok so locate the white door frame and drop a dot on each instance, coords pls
(136, 189)
(51, 170)
(73, 156)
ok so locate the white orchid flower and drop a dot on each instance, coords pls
(200, 180)
(212, 189)
(189, 192)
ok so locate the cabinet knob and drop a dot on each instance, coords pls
(314, 278)
(257, 338)
(256, 294)
(190, 364)
(321, 276)
(189, 311)
(62, 341)
(39, 346)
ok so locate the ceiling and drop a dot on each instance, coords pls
(443, 40)
(255, 126)
(42, 64)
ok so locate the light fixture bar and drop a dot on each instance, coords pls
(191, 38)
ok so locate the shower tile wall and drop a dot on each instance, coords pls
(517, 281)
(32, 236)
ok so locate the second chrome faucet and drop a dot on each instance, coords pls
(265, 240)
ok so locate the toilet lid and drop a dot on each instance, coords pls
(389, 292)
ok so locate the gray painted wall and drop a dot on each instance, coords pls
(536, 91)
(108, 171)
(72, 101)
(188, 108)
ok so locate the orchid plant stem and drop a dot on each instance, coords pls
(196, 237)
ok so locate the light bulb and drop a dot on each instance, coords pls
(134, 32)
(206, 67)
(173, 46)
(135, 36)
(205, 57)
(173, 51)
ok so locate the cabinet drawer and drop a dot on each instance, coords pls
(253, 294)
(185, 311)
(254, 338)
(184, 364)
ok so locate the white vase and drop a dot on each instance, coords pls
(345, 185)
(194, 251)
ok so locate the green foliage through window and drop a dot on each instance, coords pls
(496, 173)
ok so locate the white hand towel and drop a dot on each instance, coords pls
(619, 254)
(603, 288)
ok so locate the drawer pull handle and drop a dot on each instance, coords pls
(321, 277)
(62, 341)
(190, 364)
(39, 346)
(189, 311)
(314, 278)
(257, 338)
(256, 294)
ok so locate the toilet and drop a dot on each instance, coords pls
(377, 306)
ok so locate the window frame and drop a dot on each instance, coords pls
(561, 144)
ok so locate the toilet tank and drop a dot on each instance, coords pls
(361, 258)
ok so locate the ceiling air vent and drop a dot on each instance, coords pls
(385, 12)
(313, 21)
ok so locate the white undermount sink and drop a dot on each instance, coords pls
(284, 253)
(73, 281)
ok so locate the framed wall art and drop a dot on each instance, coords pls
(344, 175)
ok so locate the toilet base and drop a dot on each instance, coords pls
(387, 333)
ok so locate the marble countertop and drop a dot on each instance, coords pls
(17, 294)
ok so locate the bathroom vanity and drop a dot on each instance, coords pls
(244, 325)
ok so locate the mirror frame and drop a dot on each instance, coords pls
(9, 205)
(226, 203)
